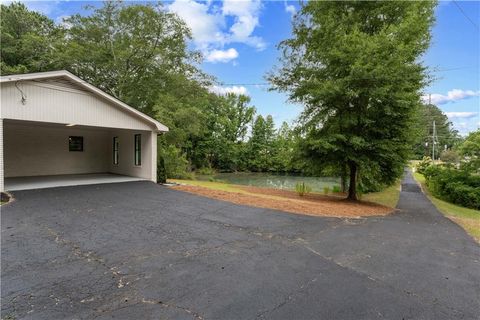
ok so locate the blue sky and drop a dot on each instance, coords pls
(239, 38)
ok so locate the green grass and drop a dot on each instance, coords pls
(387, 197)
(215, 185)
(469, 219)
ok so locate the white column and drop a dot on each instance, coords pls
(2, 187)
(153, 142)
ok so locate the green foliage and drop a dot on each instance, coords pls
(424, 164)
(260, 145)
(302, 189)
(207, 171)
(455, 186)
(423, 132)
(449, 156)
(27, 39)
(336, 189)
(161, 171)
(326, 190)
(355, 67)
(470, 150)
(176, 165)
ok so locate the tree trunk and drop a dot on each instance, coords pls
(352, 188)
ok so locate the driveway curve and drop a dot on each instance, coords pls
(137, 250)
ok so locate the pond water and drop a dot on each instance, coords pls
(274, 181)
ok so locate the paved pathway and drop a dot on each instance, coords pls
(140, 251)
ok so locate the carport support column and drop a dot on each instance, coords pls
(2, 173)
(153, 142)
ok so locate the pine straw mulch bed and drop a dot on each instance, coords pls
(312, 204)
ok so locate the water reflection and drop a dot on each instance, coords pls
(274, 181)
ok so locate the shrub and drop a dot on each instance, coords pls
(336, 189)
(207, 171)
(326, 190)
(302, 189)
(161, 173)
(176, 164)
(455, 186)
(424, 164)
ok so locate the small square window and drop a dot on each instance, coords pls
(75, 143)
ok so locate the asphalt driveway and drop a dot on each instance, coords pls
(137, 250)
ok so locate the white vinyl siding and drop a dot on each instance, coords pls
(52, 103)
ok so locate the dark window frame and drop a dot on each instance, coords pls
(137, 152)
(75, 146)
(116, 154)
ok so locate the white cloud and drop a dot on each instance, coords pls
(246, 16)
(60, 20)
(211, 24)
(221, 55)
(461, 115)
(233, 89)
(453, 95)
(290, 8)
(206, 26)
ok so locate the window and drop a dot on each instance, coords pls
(115, 150)
(138, 149)
(75, 143)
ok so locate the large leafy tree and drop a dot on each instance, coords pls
(446, 135)
(261, 144)
(470, 150)
(355, 67)
(230, 119)
(26, 40)
(132, 52)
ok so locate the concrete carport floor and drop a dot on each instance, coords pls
(41, 182)
(138, 250)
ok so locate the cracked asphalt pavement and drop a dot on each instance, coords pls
(142, 251)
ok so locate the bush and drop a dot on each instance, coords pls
(455, 186)
(161, 173)
(206, 171)
(336, 189)
(176, 164)
(326, 190)
(424, 164)
(302, 189)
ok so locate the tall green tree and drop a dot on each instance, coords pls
(231, 116)
(470, 150)
(27, 39)
(355, 67)
(132, 52)
(423, 129)
(261, 144)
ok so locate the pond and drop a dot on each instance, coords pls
(274, 181)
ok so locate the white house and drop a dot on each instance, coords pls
(54, 124)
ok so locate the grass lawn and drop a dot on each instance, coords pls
(221, 186)
(468, 219)
(387, 197)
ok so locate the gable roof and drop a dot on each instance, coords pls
(88, 87)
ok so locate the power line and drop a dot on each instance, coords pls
(369, 78)
(463, 12)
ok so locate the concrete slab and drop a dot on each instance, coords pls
(42, 182)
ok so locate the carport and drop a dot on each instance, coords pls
(58, 130)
